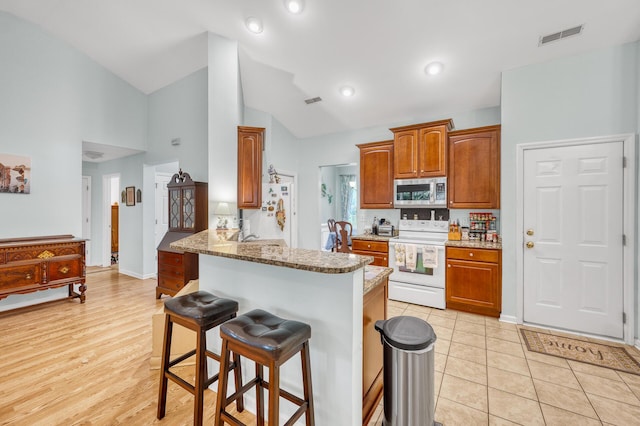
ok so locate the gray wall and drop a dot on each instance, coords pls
(592, 94)
(53, 98)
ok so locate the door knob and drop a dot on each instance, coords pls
(529, 232)
(529, 244)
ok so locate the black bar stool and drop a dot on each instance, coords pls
(200, 312)
(269, 341)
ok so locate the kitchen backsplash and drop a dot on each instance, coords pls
(365, 216)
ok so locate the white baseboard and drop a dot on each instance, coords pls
(508, 318)
(131, 274)
(638, 344)
(149, 276)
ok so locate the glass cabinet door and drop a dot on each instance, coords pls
(174, 208)
(188, 209)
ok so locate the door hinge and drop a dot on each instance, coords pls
(624, 240)
(624, 162)
(624, 317)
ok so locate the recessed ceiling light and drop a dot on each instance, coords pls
(347, 91)
(434, 68)
(294, 6)
(254, 25)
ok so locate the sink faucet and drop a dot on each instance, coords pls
(249, 237)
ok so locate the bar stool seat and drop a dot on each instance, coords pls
(269, 341)
(199, 311)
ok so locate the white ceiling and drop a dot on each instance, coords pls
(380, 47)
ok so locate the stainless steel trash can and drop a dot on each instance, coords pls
(408, 371)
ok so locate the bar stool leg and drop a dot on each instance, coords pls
(274, 394)
(259, 395)
(201, 376)
(166, 353)
(221, 401)
(306, 384)
(237, 375)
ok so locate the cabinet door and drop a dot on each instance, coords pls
(405, 154)
(188, 209)
(376, 175)
(474, 170)
(432, 151)
(250, 167)
(175, 207)
(473, 287)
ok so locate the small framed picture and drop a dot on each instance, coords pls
(131, 195)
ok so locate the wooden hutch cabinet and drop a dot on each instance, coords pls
(474, 280)
(420, 150)
(40, 263)
(188, 214)
(376, 175)
(474, 168)
(250, 141)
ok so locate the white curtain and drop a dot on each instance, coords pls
(347, 198)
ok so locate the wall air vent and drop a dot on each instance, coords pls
(560, 35)
(312, 100)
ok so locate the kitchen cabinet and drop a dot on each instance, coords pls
(40, 263)
(376, 175)
(420, 150)
(378, 249)
(188, 214)
(250, 141)
(474, 168)
(474, 280)
(374, 308)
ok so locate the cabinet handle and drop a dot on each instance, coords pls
(368, 245)
(448, 265)
(28, 277)
(384, 258)
(471, 254)
(64, 269)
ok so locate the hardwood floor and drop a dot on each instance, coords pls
(66, 363)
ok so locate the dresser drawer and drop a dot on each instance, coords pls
(171, 270)
(44, 252)
(366, 245)
(170, 282)
(478, 255)
(20, 276)
(64, 269)
(168, 258)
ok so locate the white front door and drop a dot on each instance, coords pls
(573, 224)
(86, 217)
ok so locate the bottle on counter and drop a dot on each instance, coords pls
(374, 226)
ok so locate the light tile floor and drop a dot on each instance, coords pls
(484, 375)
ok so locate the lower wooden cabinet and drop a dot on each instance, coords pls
(175, 268)
(374, 308)
(474, 280)
(378, 249)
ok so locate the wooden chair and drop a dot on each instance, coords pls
(343, 233)
(331, 223)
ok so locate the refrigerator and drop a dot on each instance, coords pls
(276, 217)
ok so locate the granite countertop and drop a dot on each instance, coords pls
(371, 237)
(272, 252)
(374, 275)
(473, 244)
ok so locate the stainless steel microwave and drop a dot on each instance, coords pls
(427, 192)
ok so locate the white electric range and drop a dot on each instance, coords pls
(418, 284)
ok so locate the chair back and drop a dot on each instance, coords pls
(331, 223)
(343, 230)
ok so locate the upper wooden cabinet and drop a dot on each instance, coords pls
(474, 168)
(420, 150)
(188, 204)
(376, 175)
(250, 140)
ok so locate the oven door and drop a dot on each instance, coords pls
(431, 277)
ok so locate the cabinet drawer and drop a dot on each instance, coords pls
(168, 258)
(20, 276)
(171, 270)
(479, 255)
(44, 252)
(366, 245)
(169, 282)
(64, 269)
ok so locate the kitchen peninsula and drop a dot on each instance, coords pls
(323, 289)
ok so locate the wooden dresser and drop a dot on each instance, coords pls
(188, 214)
(40, 263)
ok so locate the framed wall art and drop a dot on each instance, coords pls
(15, 174)
(131, 195)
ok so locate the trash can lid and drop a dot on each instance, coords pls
(408, 333)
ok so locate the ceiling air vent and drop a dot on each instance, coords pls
(313, 100)
(560, 35)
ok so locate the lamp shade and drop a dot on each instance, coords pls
(222, 209)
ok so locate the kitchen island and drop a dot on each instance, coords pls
(323, 289)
